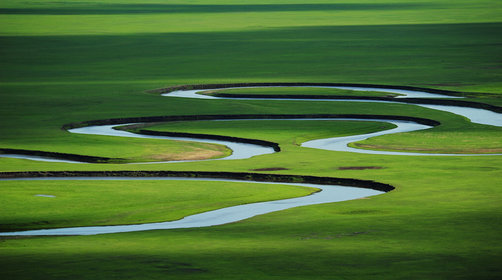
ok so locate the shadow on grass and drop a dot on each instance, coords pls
(396, 54)
(107, 9)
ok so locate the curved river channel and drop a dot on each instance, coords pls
(327, 193)
(341, 144)
(242, 150)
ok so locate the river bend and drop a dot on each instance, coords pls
(328, 194)
(245, 150)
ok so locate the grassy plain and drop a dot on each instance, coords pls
(284, 132)
(469, 138)
(113, 202)
(68, 61)
(138, 150)
(476, 140)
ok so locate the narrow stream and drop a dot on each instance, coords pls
(476, 115)
(244, 150)
(328, 194)
(239, 150)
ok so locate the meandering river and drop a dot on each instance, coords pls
(327, 193)
(476, 115)
(245, 150)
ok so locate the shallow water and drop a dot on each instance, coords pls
(340, 144)
(45, 195)
(38, 158)
(239, 150)
(328, 194)
(480, 116)
(403, 92)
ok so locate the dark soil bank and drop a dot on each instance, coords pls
(202, 174)
(74, 157)
(245, 116)
(273, 145)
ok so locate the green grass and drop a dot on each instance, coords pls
(131, 17)
(138, 150)
(469, 138)
(284, 132)
(479, 140)
(413, 231)
(299, 91)
(65, 62)
(308, 54)
(87, 203)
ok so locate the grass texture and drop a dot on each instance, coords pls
(67, 61)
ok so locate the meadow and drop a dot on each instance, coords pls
(124, 202)
(64, 62)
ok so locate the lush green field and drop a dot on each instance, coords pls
(68, 61)
(90, 203)
(138, 150)
(284, 132)
(469, 138)
(476, 140)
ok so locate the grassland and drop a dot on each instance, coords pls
(284, 132)
(88, 203)
(139, 150)
(65, 62)
(469, 138)
(478, 140)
